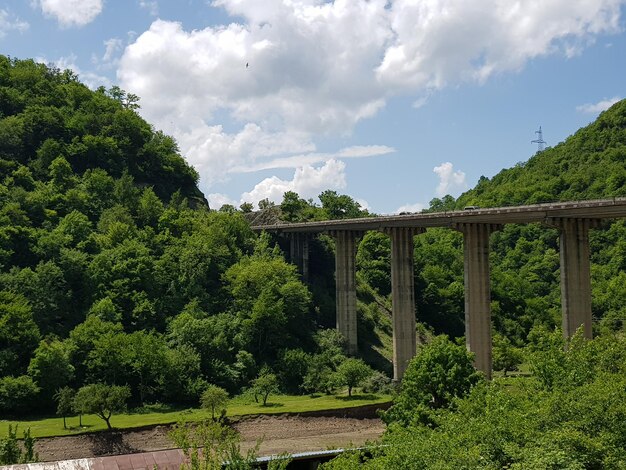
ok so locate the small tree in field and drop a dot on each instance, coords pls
(263, 385)
(352, 372)
(102, 400)
(65, 402)
(214, 398)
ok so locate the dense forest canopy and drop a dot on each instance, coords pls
(114, 270)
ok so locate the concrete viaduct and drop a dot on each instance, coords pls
(573, 219)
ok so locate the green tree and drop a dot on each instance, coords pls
(292, 368)
(440, 372)
(106, 310)
(374, 261)
(265, 384)
(246, 207)
(19, 334)
(547, 356)
(270, 301)
(46, 289)
(82, 341)
(214, 398)
(352, 373)
(319, 376)
(50, 367)
(506, 357)
(293, 208)
(138, 359)
(182, 380)
(62, 174)
(65, 402)
(150, 208)
(17, 395)
(336, 206)
(102, 400)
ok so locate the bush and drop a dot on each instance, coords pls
(441, 371)
(377, 383)
(10, 451)
(17, 395)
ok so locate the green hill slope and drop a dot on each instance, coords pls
(590, 164)
(114, 270)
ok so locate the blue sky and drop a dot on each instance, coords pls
(393, 102)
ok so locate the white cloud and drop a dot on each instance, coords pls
(151, 5)
(595, 108)
(217, 200)
(8, 22)
(416, 207)
(71, 12)
(450, 181)
(214, 152)
(441, 42)
(112, 47)
(421, 101)
(295, 161)
(307, 181)
(259, 92)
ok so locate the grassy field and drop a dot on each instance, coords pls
(238, 406)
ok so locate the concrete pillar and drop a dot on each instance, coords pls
(477, 292)
(402, 297)
(575, 273)
(299, 253)
(345, 278)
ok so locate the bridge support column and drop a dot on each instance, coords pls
(402, 297)
(345, 278)
(299, 253)
(477, 292)
(575, 273)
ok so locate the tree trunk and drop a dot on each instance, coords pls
(107, 419)
(349, 390)
(64, 425)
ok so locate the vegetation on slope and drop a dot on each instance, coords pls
(113, 269)
(569, 414)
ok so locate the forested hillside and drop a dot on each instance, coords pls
(591, 164)
(114, 270)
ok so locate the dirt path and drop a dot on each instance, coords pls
(278, 433)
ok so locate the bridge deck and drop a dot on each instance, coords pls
(592, 209)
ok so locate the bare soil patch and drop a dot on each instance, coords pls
(278, 433)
